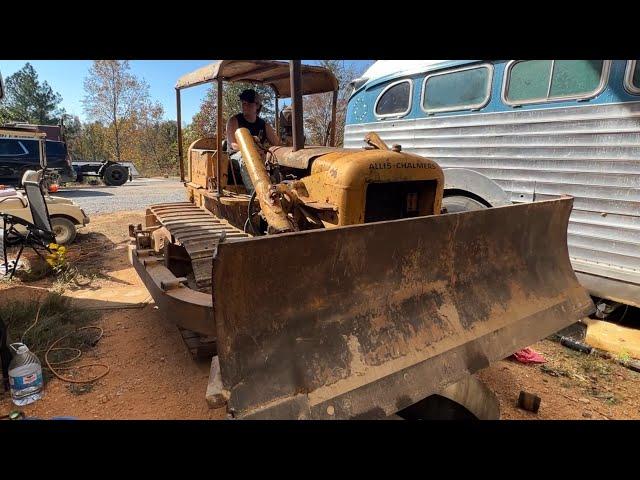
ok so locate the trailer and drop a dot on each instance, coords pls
(111, 173)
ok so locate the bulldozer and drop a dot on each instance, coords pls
(336, 286)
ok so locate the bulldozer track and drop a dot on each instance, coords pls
(199, 346)
(198, 231)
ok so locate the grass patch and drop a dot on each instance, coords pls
(592, 364)
(607, 397)
(624, 357)
(555, 371)
(57, 318)
(70, 279)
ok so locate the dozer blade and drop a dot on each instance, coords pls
(363, 321)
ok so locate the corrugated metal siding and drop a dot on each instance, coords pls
(589, 152)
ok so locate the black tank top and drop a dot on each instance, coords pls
(257, 128)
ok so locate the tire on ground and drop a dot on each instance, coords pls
(64, 230)
(115, 175)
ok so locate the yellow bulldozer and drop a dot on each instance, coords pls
(336, 287)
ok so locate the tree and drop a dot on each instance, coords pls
(203, 123)
(113, 96)
(155, 144)
(126, 124)
(72, 132)
(317, 108)
(28, 100)
(189, 135)
(89, 144)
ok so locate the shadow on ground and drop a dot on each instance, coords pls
(84, 192)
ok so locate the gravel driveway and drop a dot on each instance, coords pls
(135, 195)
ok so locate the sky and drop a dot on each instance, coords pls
(66, 78)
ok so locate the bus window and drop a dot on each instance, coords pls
(535, 81)
(529, 80)
(395, 100)
(462, 89)
(632, 77)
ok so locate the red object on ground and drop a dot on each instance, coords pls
(528, 355)
(53, 188)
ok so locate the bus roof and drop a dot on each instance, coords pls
(385, 70)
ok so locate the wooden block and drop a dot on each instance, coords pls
(529, 401)
(111, 297)
(613, 338)
(216, 395)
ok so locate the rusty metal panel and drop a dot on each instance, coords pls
(201, 162)
(270, 72)
(186, 215)
(190, 222)
(362, 321)
(287, 157)
(187, 308)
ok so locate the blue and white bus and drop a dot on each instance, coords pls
(535, 128)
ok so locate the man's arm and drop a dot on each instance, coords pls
(272, 136)
(232, 126)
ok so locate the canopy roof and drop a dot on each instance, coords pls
(268, 72)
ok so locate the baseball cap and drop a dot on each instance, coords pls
(251, 96)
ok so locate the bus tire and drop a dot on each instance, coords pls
(461, 203)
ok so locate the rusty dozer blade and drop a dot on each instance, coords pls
(363, 321)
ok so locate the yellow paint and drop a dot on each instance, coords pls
(201, 156)
(341, 179)
(271, 207)
(613, 338)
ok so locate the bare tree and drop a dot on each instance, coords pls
(93, 145)
(317, 108)
(155, 141)
(113, 96)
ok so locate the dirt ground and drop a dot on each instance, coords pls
(153, 376)
(571, 385)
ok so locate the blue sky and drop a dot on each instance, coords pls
(66, 77)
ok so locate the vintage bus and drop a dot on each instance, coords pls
(537, 129)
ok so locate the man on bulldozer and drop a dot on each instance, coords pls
(249, 118)
(335, 287)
